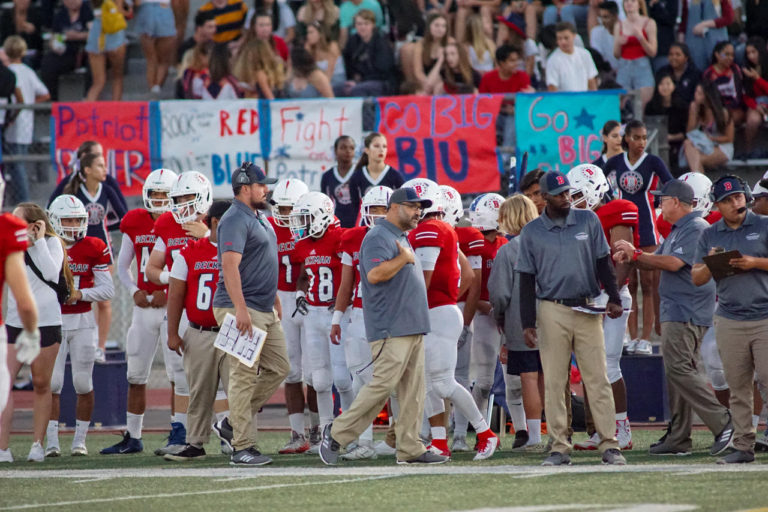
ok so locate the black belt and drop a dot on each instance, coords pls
(201, 328)
(571, 303)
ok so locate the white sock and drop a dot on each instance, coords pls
(221, 415)
(181, 417)
(325, 406)
(135, 424)
(366, 437)
(480, 426)
(394, 407)
(755, 420)
(346, 398)
(465, 404)
(297, 422)
(81, 430)
(52, 433)
(173, 418)
(221, 395)
(534, 431)
(314, 419)
(517, 415)
(438, 433)
(621, 416)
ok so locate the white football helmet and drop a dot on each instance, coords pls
(701, 186)
(427, 189)
(589, 181)
(376, 196)
(454, 208)
(484, 212)
(191, 183)
(159, 180)
(311, 215)
(286, 193)
(68, 207)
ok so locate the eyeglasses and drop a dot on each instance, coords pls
(413, 206)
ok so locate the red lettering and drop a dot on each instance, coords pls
(241, 122)
(254, 121)
(224, 128)
(565, 145)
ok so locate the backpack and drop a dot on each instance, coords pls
(61, 288)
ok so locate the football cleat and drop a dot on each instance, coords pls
(521, 439)
(78, 450)
(6, 455)
(624, 434)
(53, 451)
(177, 440)
(588, 444)
(127, 445)
(439, 447)
(297, 444)
(460, 444)
(486, 445)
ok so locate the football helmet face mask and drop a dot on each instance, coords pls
(588, 186)
(68, 207)
(311, 216)
(376, 196)
(701, 186)
(159, 180)
(285, 194)
(484, 212)
(190, 183)
(428, 189)
(454, 208)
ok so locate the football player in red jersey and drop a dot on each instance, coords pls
(619, 218)
(192, 284)
(147, 330)
(317, 253)
(348, 329)
(191, 196)
(284, 196)
(446, 274)
(89, 260)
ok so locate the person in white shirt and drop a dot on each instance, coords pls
(601, 36)
(570, 68)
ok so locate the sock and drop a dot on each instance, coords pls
(314, 419)
(755, 421)
(221, 415)
(135, 423)
(173, 418)
(81, 429)
(621, 416)
(480, 426)
(221, 395)
(517, 415)
(181, 417)
(52, 433)
(325, 406)
(534, 431)
(366, 438)
(394, 406)
(346, 398)
(460, 423)
(297, 422)
(438, 433)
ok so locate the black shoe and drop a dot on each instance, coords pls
(190, 452)
(249, 457)
(127, 445)
(737, 457)
(521, 438)
(663, 438)
(329, 448)
(664, 448)
(557, 459)
(427, 457)
(723, 440)
(613, 457)
(224, 432)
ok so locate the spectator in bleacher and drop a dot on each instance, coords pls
(666, 103)
(611, 135)
(428, 53)
(456, 74)
(283, 20)
(704, 23)
(157, 29)
(221, 84)
(570, 68)
(368, 59)
(488, 9)
(180, 10)
(756, 17)
(261, 29)
(327, 54)
(259, 70)
(664, 13)
(102, 47)
(71, 23)
(756, 78)
(229, 16)
(682, 71)
(601, 36)
(634, 42)
(24, 20)
(205, 29)
(193, 71)
(711, 143)
(512, 32)
(18, 136)
(571, 11)
(305, 79)
(323, 12)
(348, 16)
(480, 48)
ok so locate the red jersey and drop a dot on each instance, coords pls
(86, 256)
(471, 244)
(288, 273)
(138, 225)
(665, 228)
(489, 254)
(202, 260)
(173, 236)
(444, 286)
(13, 238)
(351, 240)
(620, 212)
(321, 258)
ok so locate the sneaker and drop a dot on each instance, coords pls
(6, 455)
(557, 459)
(588, 444)
(663, 438)
(761, 442)
(297, 444)
(223, 430)
(315, 438)
(127, 445)
(723, 440)
(189, 452)
(36, 453)
(360, 452)
(737, 457)
(663, 448)
(486, 445)
(643, 348)
(177, 440)
(100, 357)
(249, 457)
(329, 448)
(613, 457)
(624, 434)
(631, 346)
(533, 448)
(439, 447)
(521, 439)
(382, 448)
(78, 450)
(426, 458)
(459, 444)
(53, 451)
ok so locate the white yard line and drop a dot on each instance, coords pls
(641, 507)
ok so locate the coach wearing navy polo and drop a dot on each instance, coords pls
(396, 317)
(563, 255)
(741, 318)
(247, 288)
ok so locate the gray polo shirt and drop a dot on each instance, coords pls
(681, 300)
(742, 296)
(397, 307)
(563, 258)
(247, 232)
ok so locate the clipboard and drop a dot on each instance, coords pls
(719, 264)
(245, 347)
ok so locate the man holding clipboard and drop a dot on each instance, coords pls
(741, 318)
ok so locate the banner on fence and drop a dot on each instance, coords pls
(561, 130)
(121, 127)
(448, 139)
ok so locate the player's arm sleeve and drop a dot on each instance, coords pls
(428, 257)
(527, 299)
(124, 260)
(346, 259)
(179, 270)
(103, 287)
(501, 282)
(48, 255)
(231, 236)
(475, 261)
(159, 245)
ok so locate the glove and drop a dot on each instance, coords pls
(301, 306)
(465, 337)
(27, 346)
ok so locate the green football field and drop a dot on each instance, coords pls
(509, 481)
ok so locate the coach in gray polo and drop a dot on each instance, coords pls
(247, 289)
(396, 318)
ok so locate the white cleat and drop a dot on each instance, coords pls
(36, 453)
(6, 455)
(79, 450)
(486, 448)
(53, 451)
(460, 444)
(624, 434)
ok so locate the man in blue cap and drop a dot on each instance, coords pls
(741, 318)
(564, 257)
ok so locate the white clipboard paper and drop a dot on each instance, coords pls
(245, 347)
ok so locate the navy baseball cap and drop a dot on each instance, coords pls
(249, 174)
(727, 186)
(554, 183)
(408, 195)
(678, 189)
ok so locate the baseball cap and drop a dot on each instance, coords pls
(408, 195)
(515, 22)
(678, 189)
(249, 174)
(761, 187)
(554, 183)
(725, 187)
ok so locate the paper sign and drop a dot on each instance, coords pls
(245, 347)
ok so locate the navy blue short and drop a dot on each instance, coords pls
(49, 335)
(523, 361)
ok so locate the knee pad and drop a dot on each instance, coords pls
(717, 379)
(613, 368)
(433, 404)
(180, 385)
(322, 380)
(294, 375)
(342, 379)
(514, 388)
(82, 381)
(443, 386)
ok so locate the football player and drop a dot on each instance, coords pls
(191, 196)
(446, 273)
(88, 259)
